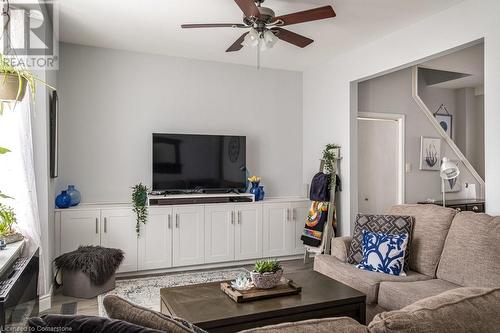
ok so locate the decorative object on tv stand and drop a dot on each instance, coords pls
(261, 193)
(242, 283)
(266, 274)
(449, 171)
(75, 195)
(255, 181)
(139, 200)
(430, 153)
(63, 200)
(445, 120)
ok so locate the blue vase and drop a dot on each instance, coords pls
(255, 190)
(75, 195)
(63, 200)
(261, 193)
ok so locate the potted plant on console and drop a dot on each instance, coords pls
(266, 274)
(140, 200)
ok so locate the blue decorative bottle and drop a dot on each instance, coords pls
(261, 193)
(75, 195)
(63, 200)
(255, 190)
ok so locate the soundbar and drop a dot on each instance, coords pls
(196, 199)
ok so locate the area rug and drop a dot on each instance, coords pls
(146, 291)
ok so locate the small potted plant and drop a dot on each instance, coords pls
(266, 274)
(7, 221)
(140, 200)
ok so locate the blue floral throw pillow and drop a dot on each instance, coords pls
(383, 253)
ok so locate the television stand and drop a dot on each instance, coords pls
(198, 198)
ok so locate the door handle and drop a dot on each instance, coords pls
(169, 221)
(105, 225)
(177, 220)
(96, 225)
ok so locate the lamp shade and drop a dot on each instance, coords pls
(252, 38)
(449, 169)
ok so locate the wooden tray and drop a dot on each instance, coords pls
(286, 287)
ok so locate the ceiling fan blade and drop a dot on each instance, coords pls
(248, 7)
(214, 25)
(292, 37)
(238, 44)
(307, 15)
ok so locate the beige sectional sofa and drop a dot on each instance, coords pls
(448, 251)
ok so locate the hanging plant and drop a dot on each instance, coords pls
(330, 153)
(139, 200)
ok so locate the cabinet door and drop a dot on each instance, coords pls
(118, 231)
(279, 231)
(248, 232)
(155, 241)
(219, 233)
(188, 235)
(300, 211)
(79, 228)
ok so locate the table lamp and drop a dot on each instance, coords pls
(449, 170)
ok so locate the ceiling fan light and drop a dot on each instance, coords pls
(252, 38)
(270, 38)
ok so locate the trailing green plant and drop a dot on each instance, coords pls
(267, 266)
(139, 200)
(7, 219)
(329, 156)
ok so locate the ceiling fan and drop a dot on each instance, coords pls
(266, 28)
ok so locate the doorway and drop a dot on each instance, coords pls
(380, 162)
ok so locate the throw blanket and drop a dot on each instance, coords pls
(315, 224)
(99, 263)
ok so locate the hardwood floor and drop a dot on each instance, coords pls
(64, 304)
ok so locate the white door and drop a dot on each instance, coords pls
(118, 231)
(219, 233)
(188, 235)
(248, 231)
(80, 228)
(278, 230)
(300, 211)
(379, 165)
(155, 241)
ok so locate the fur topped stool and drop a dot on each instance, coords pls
(88, 271)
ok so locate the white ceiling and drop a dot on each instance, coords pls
(467, 61)
(153, 26)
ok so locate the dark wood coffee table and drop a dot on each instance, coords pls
(206, 306)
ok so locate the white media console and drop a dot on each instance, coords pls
(190, 235)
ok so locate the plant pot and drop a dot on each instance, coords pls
(12, 238)
(9, 87)
(266, 280)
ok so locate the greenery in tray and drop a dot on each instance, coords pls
(267, 266)
(7, 220)
(139, 200)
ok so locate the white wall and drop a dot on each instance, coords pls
(330, 109)
(111, 101)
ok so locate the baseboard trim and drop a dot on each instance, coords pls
(45, 301)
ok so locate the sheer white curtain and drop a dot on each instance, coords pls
(17, 174)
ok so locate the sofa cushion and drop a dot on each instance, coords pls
(118, 308)
(429, 233)
(387, 224)
(471, 254)
(83, 324)
(329, 325)
(397, 295)
(364, 281)
(461, 310)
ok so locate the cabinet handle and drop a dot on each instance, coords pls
(294, 215)
(288, 214)
(105, 225)
(177, 220)
(232, 217)
(96, 225)
(239, 217)
(169, 221)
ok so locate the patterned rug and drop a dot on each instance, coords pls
(146, 291)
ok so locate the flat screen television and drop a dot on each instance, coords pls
(201, 163)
